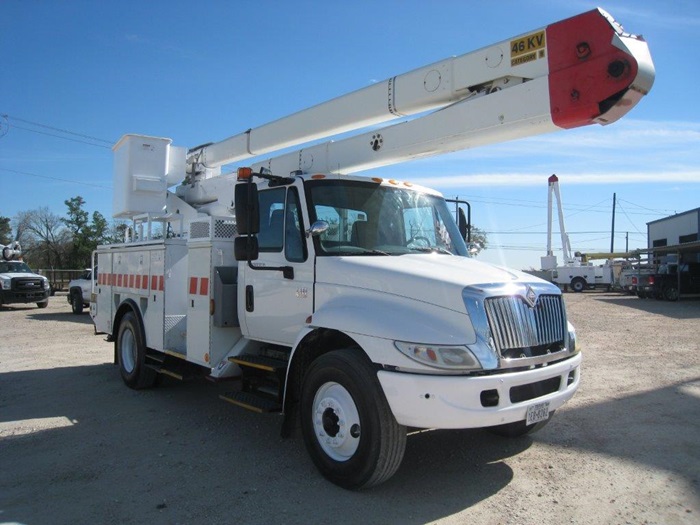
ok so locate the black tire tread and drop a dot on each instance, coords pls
(392, 436)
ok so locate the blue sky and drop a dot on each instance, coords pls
(202, 71)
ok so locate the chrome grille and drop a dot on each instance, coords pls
(514, 324)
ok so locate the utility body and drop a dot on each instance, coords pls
(351, 304)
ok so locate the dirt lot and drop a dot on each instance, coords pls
(77, 446)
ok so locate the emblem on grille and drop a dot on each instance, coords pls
(531, 297)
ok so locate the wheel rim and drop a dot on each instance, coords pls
(336, 421)
(128, 351)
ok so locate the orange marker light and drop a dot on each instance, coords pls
(245, 173)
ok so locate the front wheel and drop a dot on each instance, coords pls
(131, 353)
(76, 303)
(42, 304)
(349, 430)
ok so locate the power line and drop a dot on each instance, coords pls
(101, 186)
(60, 137)
(60, 130)
(91, 140)
(657, 212)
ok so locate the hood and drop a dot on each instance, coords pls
(430, 278)
(14, 275)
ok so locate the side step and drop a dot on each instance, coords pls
(262, 383)
(252, 401)
(268, 364)
(172, 367)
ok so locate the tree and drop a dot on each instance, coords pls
(85, 234)
(478, 238)
(5, 230)
(43, 238)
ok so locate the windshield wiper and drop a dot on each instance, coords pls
(432, 249)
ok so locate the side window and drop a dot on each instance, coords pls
(271, 236)
(294, 245)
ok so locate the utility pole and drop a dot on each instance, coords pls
(612, 233)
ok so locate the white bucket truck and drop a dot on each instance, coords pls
(350, 303)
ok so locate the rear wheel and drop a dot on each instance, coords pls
(671, 293)
(349, 430)
(578, 284)
(131, 354)
(76, 302)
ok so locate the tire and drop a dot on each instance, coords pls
(42, 304)
(131, 354)
(519, 428)
(76, 303)
(671, 293)
(348, 428)
(578, 284)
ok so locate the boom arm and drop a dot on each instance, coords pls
(572, 73)
(553, 183)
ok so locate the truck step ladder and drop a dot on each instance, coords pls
(177, 368)
(262, 380)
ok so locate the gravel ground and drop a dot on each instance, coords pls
(77, 446)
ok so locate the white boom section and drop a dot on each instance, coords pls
(591, 45)
(428, 88)
(579, 71)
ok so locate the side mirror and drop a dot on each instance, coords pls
(317, 228)
(247, 208)
(462, 224)
(245, 248)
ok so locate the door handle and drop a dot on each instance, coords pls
(249, 299)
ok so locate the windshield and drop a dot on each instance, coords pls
(14, 267)
(372, 219)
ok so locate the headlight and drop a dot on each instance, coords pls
(571, 342)
(6, 283)
(439, 356)
(46, 284)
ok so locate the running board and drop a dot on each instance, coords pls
(268, 364)
(252, 401)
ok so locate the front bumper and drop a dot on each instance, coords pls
(429, 401)
(10, 297)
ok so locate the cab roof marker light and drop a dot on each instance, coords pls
(245, 173)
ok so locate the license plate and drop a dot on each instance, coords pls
(537, 413)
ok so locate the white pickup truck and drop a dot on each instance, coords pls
(79, 291)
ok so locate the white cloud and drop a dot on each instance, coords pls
(536, 179)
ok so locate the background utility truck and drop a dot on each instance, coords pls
(350, 304)
(18, 283)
